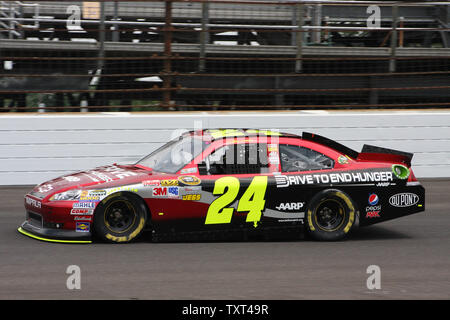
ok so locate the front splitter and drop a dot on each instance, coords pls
(53, 235)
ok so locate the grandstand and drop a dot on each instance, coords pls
(199, 55)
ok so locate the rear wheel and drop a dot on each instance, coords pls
(330, 215)
(120, 218)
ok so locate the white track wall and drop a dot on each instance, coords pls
(38, 147)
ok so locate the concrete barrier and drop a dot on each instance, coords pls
(37, 147)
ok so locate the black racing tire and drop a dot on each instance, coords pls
(330, 216)
(120, 218)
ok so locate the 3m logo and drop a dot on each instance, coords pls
(159, 192)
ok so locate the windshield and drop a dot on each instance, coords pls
(174, 155)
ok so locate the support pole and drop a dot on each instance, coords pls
(394, 37)
(167, 79)
(300, 37)
(115, 34)
(101, 37)
(204, 36)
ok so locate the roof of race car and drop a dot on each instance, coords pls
(215, 134)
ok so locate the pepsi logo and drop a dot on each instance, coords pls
(373, 199)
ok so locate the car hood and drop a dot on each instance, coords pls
(100, 177)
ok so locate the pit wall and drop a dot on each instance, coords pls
(37, 147)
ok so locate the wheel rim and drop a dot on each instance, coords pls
(119, 216)
(330, 215)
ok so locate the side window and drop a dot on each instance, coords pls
(238, 159)
(296, 158)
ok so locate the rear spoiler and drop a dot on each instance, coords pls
(368, 152)
(373, 153)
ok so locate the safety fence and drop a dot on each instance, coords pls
(223, 55)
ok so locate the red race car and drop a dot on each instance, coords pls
(223, 182)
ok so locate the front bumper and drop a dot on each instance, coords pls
(54, 235)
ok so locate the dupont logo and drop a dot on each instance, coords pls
(373, 199)
(405, 199)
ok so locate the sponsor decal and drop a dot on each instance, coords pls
(400, 171)
(274, 157)
(290, 206)
(373, 199)
(173, 192)
(82, 211)
(189, 170)
(32, 202)
(264, 132)
(83, 227)
(291, 220)
(151, 183)
(100, 193)
(192, 189)
(283, 181)
(383, 184)
(221, 133)
(272, 147)
(83, 205)
(164, 192)
(159, 192)
(373, 214)
(169, 183)
(71, 179)
(343, 159)
(373, 210)
(192, 197)
(83, 218)
(45, 188)
(405, 199)
(189, 180)
(125, 188)
(99, 176)
(85, 196)
(119, 172)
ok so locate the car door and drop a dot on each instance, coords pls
(235, 177)
(295, 183)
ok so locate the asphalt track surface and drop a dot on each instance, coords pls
(413, 254)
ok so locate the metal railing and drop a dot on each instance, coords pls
(11, 17)
(227, 54)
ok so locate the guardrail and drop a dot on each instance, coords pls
(36, 148)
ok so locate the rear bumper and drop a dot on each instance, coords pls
(54, 235)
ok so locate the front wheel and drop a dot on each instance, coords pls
(330, 215)
(120, 218)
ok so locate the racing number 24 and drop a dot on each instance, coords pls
(252, 200)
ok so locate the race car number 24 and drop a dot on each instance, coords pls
(253, 200)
